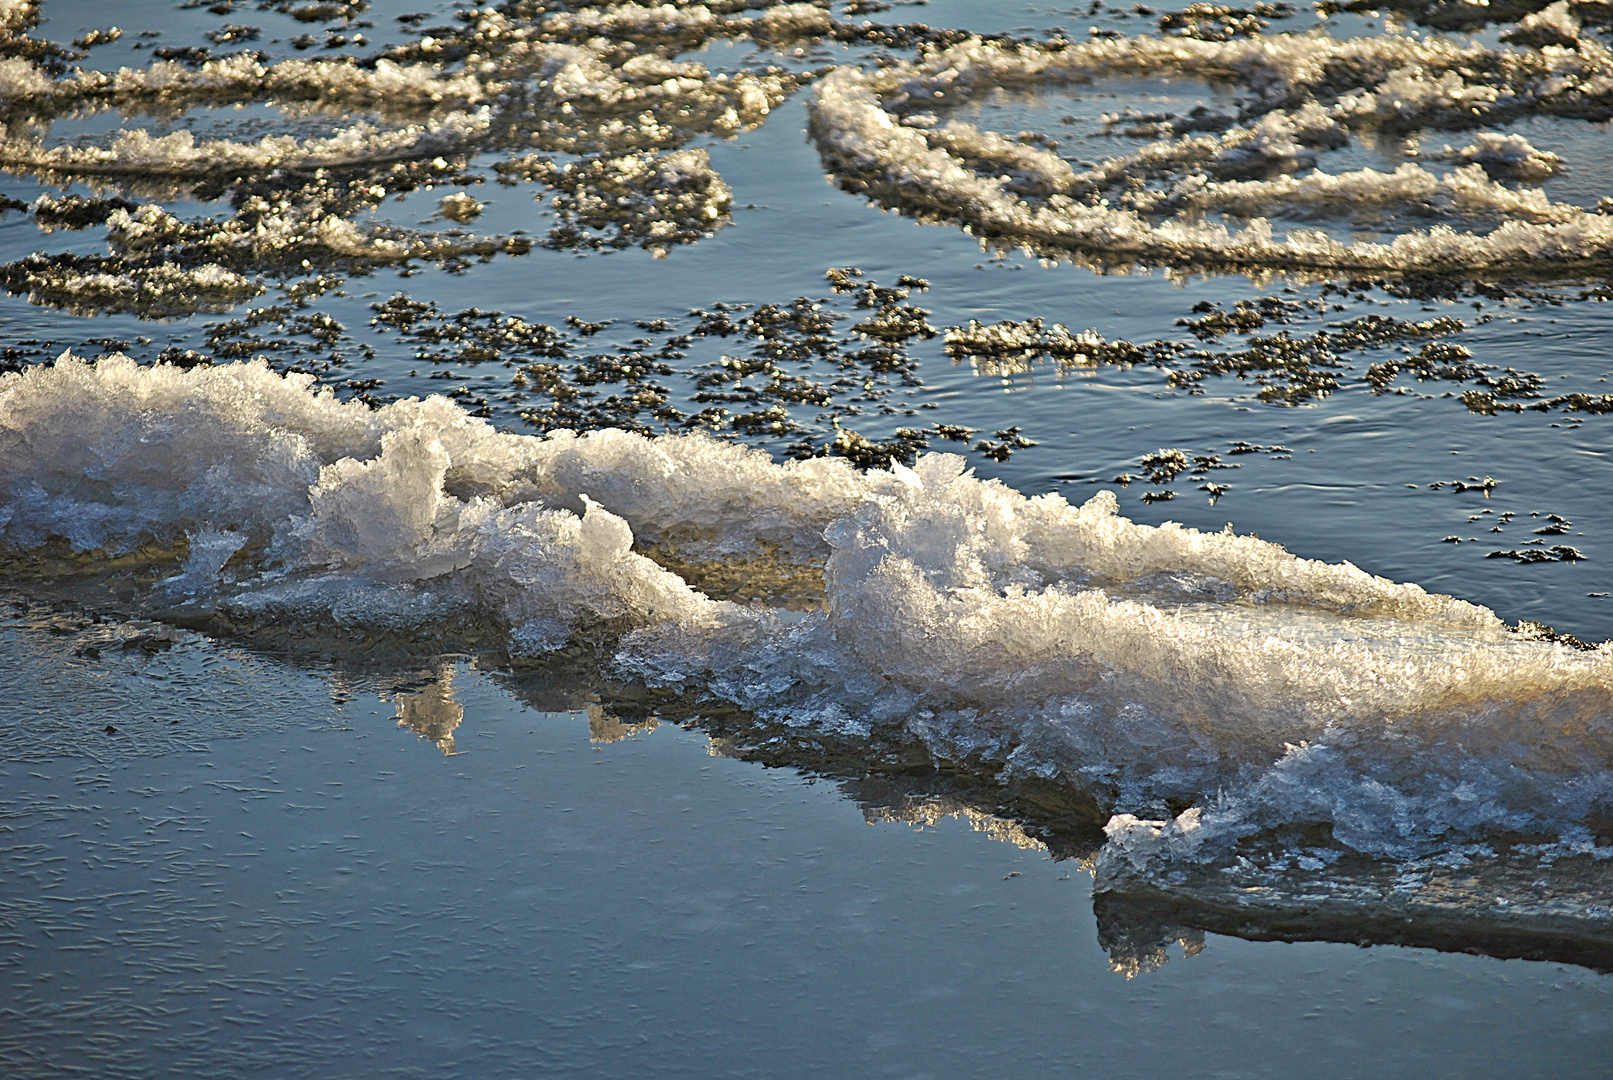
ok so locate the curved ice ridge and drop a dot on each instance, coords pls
(1310, 92)
(1019, 636)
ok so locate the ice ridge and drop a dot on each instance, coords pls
(1014, 636)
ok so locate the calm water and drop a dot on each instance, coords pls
(219, 860)
(301, 888)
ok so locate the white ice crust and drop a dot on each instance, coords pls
(1040, 639)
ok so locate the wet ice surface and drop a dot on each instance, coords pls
(1349, 475)
(317, 888)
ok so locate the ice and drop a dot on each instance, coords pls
(179, 153)
(1510, 156)
(656, 200)
(1137, 665)
(785, 22)
(18, 15)
(153, 291)
(460, 206)
(1554, 24)
(338, 83)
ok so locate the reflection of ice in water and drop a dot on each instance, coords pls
(605, 728)
(1138, 944)
(432, 712)
(926, 812)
